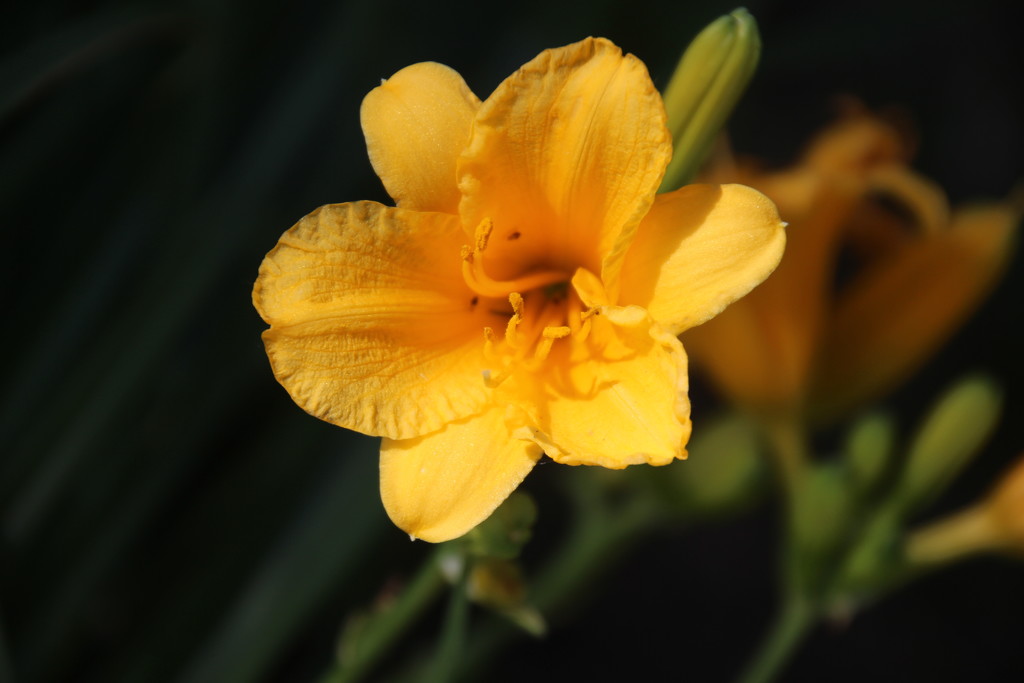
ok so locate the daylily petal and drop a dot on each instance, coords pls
(923, 199)
(699, 249)
(899, 311)
(565, 158)
(372, 326)
(439, 486)
(416, 124)
(856, 143)
(761, 349)
(617, 398)
(898, 207)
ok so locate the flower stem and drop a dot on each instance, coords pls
(382, 630)
(453, 636)
(788, 442)
(597, 537)
(791, 626)
(789, 447)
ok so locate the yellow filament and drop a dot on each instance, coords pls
(585, 317)
(548, 337)
(516, 299)
(575, 313)
(489, 352)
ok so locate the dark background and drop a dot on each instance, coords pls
(169, 514)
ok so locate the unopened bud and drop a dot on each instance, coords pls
(950, 436)
(868, 447)
(705, 87)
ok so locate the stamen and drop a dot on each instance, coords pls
(548, 337)
(575, 313)
(545, 308)
(585, 317)
(516, 299)
(489, 353)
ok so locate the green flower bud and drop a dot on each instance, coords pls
(868, 449)
(724, 466)
(708, 81)
(821, 509)
(952, 433)
(821, 515)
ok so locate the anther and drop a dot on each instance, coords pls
(483, 234)
(560, 332)
(548, 337)
(516, 299)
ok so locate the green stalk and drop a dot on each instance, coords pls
(385, 629)
(599, 535)
(788, 442)
(792, 624)
(453, 638)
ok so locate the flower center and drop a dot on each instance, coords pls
(544, 309)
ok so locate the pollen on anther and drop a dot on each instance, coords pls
(548, 337)
(516, 299)
(483, 234)
(556, 332)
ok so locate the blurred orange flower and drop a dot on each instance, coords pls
(816, 341)
(1005, 508)
(994, 524)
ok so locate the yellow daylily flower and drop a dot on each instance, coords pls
(523, 297)
(797, 345)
